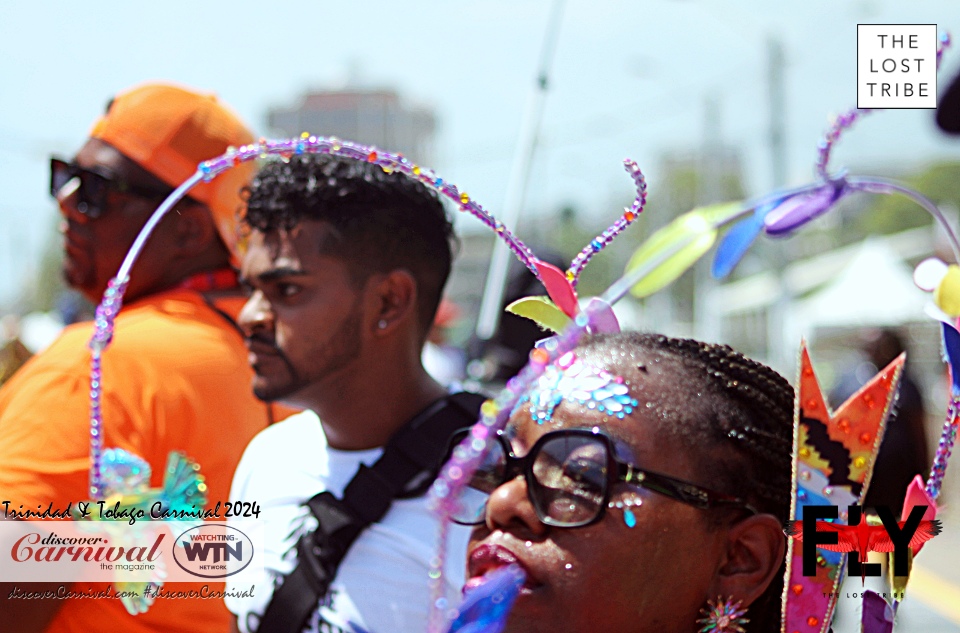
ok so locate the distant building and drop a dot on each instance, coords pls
(373, 117)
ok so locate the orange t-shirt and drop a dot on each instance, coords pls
(175, 378)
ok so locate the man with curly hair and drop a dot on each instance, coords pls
(346, 264)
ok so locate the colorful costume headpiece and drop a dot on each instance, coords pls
(117, 474)
(660, 260)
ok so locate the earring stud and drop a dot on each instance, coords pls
(382, 324)
(723, 616)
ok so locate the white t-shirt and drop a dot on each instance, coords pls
(382, 584)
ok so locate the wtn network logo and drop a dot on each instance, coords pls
(859, 537)
(213, 550)
(202, 550)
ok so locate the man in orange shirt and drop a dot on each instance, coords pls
(176, 377)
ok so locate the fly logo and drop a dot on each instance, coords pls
(859, 537)
(213, 550)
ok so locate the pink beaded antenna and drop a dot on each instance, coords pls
(560, 286)
(113, 466)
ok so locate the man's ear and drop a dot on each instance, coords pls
(395, 300)
(192, 230)
(755, 549)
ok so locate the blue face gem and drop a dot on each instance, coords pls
(629, 518)
(572, 380)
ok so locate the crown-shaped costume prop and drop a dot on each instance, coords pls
(833, 458)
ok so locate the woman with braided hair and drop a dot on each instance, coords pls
(641, 485)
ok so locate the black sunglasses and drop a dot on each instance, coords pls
(570, 474)
(94, 184)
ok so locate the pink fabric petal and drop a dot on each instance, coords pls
(558, 287)
(917, 496)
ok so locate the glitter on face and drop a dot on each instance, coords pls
(573, 380)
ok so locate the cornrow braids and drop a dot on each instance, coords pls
(742, 405)
(740, 425)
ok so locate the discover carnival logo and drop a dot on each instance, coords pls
(116, 551)
(213, 551)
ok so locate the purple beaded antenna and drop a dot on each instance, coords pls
(113, 297)
(848, 118)
(948, 436)
(785, 211)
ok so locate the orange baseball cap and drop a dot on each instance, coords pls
(169, 130)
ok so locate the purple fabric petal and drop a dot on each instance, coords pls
(485, 607)
(795, 211)
(877, 614)
(602, 317)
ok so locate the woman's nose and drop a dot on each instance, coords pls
(509, 507)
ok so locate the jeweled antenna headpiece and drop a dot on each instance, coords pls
(559, 285)
(107, 471)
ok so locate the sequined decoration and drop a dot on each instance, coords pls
(310, 144)
(467, 456)
(390, 162)
(573, 380)
(723, 616)
(627, 505)
(948, 438)
(126, 480)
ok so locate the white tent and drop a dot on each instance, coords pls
(875, 288)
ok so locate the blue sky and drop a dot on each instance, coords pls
(629, 79)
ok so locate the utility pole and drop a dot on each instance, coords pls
(778, 353)
(489, 317)
(775, 71)
(706, 323)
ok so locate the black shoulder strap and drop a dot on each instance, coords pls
(406, 469)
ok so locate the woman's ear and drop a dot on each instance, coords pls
(754, 555)
(395, 300)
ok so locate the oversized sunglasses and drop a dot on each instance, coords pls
(94, 183)
(569, 475)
